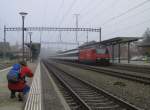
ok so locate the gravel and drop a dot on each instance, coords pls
(135, 93)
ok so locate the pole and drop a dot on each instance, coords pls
(59, 40)
(40, 37)
(113, 53)
(119, 53)
(60, 36)
(100, 34)
(87, 36)
(128, 52)
(5, 49)
(30, 34)
(76, 15)
(23, 14)
(23, 38)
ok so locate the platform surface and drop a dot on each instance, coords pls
(143, 63)
(51, 95)
(5, 102)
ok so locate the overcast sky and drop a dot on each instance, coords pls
(117, 18)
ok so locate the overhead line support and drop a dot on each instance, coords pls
(52, 29)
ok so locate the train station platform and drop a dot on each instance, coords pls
(5, 102)
(43, 94)
(135, 63)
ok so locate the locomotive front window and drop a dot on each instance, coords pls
(100, 51)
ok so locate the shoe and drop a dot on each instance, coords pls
(20, 98)
(12, 96)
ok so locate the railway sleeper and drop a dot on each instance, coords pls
(86, 91)
(88, 94)
(97, 101)
(92, 97)
(72, 104)
(113, 107)
(102, 104)
(69, 98)
(78, 107)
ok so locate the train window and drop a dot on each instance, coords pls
(100, 51)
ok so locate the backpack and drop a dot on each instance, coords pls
(13, 74)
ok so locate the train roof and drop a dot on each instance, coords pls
(69, 51)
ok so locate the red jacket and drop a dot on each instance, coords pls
(25, 71)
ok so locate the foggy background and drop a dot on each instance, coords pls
(117, 18)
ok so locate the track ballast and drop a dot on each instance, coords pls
(84, 96)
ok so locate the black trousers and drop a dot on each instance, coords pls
(13, 94)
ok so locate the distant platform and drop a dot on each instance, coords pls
(138, 63)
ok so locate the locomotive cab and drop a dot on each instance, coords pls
(87, 56)
(102, 56)
(94, 55)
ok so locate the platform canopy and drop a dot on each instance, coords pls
(113, 41)
(118, 40)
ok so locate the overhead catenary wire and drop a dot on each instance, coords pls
(3, 23)
(100, 13)
(58, 11)
(136, 14)
(85, 7)
(124, 13)
(45, 5)
(98, 4)
(67, 12)
(127, 32)
(131, 26)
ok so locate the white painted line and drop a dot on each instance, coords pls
(34, 98)
(5, 69)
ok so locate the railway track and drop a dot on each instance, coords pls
(132, 68)
(112, 72)
(81, 95)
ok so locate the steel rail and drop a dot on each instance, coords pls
(84, 106)
(111, 72)
(79, 86)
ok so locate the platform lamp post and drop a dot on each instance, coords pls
(23, 14)
(30, 34)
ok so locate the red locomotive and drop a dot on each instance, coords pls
(94, 55)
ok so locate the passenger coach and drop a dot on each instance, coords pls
(88, 55)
